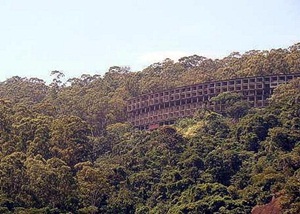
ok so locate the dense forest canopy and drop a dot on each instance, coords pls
(66, 146)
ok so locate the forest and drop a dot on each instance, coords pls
(65, 147)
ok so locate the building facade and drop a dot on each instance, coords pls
(151, 110)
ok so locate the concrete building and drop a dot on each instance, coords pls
(151, 110)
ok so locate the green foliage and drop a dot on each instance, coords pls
(66, 147)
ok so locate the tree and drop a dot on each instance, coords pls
(93, 185)
(13, 177)
(231, 104)
(69, 140)
(50, 182)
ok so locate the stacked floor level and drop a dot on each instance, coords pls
(154, 109)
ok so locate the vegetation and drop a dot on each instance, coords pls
(66, 147)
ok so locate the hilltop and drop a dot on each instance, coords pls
(66, 147)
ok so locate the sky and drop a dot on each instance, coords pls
(89, 36)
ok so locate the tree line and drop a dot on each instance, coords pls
(66, 147)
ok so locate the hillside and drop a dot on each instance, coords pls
(66, 147)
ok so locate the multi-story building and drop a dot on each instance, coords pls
(148, 111)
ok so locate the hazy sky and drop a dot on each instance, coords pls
(89, 36)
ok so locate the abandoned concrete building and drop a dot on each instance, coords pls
(151, 110)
